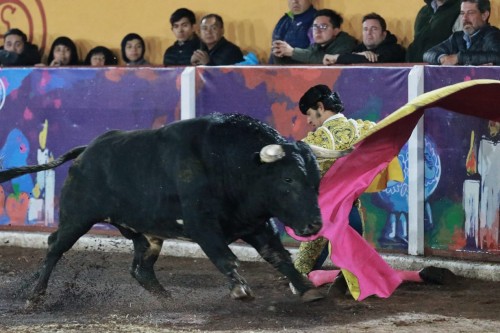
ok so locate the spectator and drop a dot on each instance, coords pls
(435, 22)
(328, 39)
(100, 56)
(295, 27)
(477, 44)
(133, 49)
(215, 49)
(17, 51)
(187, 41)
(379, 45)
(63, 53)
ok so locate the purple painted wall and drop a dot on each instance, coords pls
(44, 112)
(48, 111)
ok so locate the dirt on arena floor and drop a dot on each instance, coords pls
(94, 292)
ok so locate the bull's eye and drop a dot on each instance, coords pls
(289, 180)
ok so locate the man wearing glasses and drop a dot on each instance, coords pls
(477, 44)
(328, 39)
(215, 50)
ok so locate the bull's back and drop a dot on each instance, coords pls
(137, 176)
(126, 175)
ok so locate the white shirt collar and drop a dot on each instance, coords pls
(335, 116)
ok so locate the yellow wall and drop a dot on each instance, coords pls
(248, 23)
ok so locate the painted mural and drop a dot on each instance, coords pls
(272, 95)
(466, 205)
(45, 112)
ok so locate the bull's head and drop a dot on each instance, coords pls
(291, 190)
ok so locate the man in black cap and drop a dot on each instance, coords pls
(333, 130)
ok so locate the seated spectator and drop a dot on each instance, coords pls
(295, 27)
(133, 49)
(63, 53)
(379, 45)
(187, 41)
(435, 22)
(477, 44)
(328, 39)
(215, 49)
(17, 51)
(100, 56)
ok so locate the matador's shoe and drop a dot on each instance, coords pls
(437, 275)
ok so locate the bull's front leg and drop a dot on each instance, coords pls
(201, 224)
(267, 242)
(213, 243)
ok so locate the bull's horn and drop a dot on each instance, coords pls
(271, 153)
(321, 152)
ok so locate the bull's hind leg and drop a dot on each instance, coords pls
(59, 242)
(146, 252)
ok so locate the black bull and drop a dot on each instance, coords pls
(211, 180)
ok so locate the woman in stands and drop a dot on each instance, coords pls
(63, 52)
(133, 49)
(100, 56)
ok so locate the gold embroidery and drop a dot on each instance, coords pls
(344, 132)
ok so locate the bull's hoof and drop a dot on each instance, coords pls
(437, 275)
(33, 302)
(242, 293)
(312, 295)
(160, 292)
(149, 282)
(339, 286)
(156, 289)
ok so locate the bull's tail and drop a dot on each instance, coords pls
(16, 172)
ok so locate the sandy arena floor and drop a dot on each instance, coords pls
(93, 292)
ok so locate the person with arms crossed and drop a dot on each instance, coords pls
(477, 44)
(379, 45)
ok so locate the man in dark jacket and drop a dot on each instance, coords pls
(435, 22)
(477, 44)
(295, 27)
(379, 45)
(17, 51)
(183, 23)
(215, 49)
(328, 39)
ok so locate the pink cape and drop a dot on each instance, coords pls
(348, 178)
